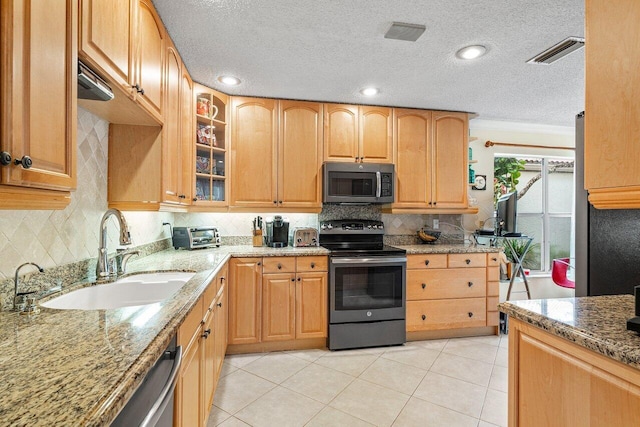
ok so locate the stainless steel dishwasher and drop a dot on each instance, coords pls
(152, 403)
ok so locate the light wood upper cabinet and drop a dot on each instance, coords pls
(276, 154)
(449, 160)
(431, 159)
(357, 134)
(253, 152)
(412, 134)
(171, 132)
(187, 132)
(300, 154)
(150, 51)
(245, 290)
(38, 105)
(612, 111)
(106, 29)
(375, 134)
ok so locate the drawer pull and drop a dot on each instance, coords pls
(258, 263)
(424, 317)
(470, 284)
(219, 304)
(313, 265)
(206, 334)
(424, 285)
(426, 262)
(468, 261)
(293, 280)
(279, 266)
(470, 314)
(494, 259)
(299, 279)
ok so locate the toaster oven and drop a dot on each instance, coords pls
(195, 237)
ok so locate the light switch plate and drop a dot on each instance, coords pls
(436, 224)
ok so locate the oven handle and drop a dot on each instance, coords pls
(381, 260)
(378, 184)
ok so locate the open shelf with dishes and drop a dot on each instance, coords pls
(211, 147)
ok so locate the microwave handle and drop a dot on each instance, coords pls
(378, 184)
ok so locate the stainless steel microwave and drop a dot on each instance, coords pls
(358, 183)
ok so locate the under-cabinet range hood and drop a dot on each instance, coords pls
(92, 86)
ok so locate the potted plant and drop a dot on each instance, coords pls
(517, 246)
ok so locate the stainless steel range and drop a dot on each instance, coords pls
(367, 283)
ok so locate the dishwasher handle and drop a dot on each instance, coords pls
(167, 391)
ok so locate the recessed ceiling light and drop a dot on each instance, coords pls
(370, 91)
(471, 52)
(229, 80)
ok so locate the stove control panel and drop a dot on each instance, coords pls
(351, 227)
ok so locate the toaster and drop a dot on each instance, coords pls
(195, 237)
(304, 237)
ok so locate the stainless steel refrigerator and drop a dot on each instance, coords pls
(607, 255)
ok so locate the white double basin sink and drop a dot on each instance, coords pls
(138, 289)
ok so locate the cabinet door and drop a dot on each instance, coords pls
(412, 135)
(188, 404)
(209, 360)
(300, 155)
(188, 135)
(375, 142)
(38, 104)
(106, 41)
(253, 152)
(150, 40)
(245, 289)
(311, 305)
(220, 332)
(449, 160)
(278, 307)
(340, 133)
(171, 136)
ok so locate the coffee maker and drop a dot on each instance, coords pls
(277, 232)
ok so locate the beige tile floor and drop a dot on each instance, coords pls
(454, 382)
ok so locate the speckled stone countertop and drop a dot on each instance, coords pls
(447, 248)
(75, 367)
(596, 323)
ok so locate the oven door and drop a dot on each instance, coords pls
(367, 289)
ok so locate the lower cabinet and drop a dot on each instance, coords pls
(277, 299)
(546, 372)
(450, 291)
(203, 338)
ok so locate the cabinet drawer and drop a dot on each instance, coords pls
(467, 260)
(492, 303)
(312, 263)
(279, 264)
(191, 324)
(493, 259)
(446, 283)
(493, 288)
(211, 292)
(493, 274)
(446, 314)
(427, 261)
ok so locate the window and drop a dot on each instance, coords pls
(545, 206)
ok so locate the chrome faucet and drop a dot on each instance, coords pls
(19, 299)
(102, 269)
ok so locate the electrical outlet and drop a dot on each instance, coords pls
(436, 224)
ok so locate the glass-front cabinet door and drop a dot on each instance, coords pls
(211, 173)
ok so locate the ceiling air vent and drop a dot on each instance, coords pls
(407, 32)
(560, 50)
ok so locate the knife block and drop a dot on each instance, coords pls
(257, 238)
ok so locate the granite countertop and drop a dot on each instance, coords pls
(75, 367)
(447, 248)
(596, 323)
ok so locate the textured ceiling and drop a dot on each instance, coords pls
(327, 50)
